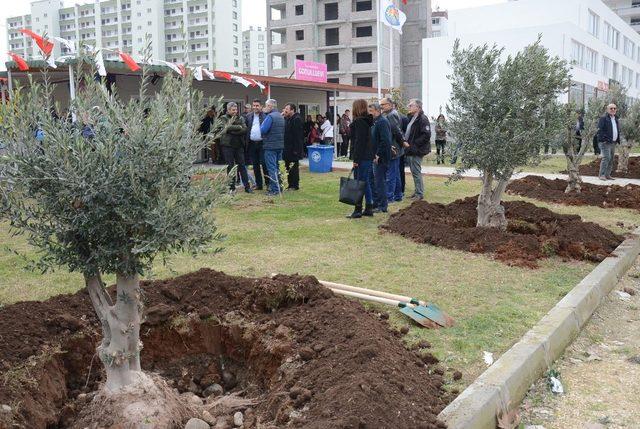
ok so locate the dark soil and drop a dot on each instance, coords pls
(533, 232)
(593, 168)
(537, 187)
(303, 356)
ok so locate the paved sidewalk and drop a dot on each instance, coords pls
(475, 174)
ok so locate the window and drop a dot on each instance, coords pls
(300, 57)
(332, 36)
(261, 37)
(365, 81)
(260, 45)
(614, 71)
(364, 31)
(260, 54)
(235, 27)
(299, 34)
(594, 24)
(261, 72)
(577, 53)
(363, 5)
(299, 9)
(435, 21)
(364, 57)
(235, 15)
(260, 63)
(606, 64)
(330, 11)
(236, 63)
(235, 39)
(333, 62)
(334, 80)
(235, 51)
(591, 60)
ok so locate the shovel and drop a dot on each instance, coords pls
(425, 309)
(405, 308)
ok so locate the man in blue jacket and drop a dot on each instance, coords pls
(381, 141)
(608, 137)
(272, 130)
(254, 120)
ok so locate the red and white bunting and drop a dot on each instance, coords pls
(22, 64)
(70, 45)
(239, 79)
(197, 73)
(172, 66)
(129, 61)
(222, 75)
(208, 74)
(45, 46)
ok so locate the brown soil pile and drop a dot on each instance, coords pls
(533, 232)
(540, 188)
(286, 351)
(593, 168)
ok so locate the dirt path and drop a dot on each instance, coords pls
(600, 371)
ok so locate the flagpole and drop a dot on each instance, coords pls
(72, 92)
(379, 48)
(391, 57)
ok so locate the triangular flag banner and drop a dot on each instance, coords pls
(183, 70)
(100, 64)
(197, 73)
(129, 61)
(52, 62)
(391, 16)
(45, 46)
(404, 1)
(209, 74)
(22, 64)
(172, 66)
(222, 75)
(241, 80)
(265, 89)
(70, 45)
(260, 85)
(252, 82)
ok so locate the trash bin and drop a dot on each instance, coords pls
(320, 158)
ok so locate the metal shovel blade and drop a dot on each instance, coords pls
(418, 318)
(433, 312)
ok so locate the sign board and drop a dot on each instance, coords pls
(310, 71)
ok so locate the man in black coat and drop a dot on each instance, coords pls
(254, 143)
(608, 137)
(293, 144)
(417, 143)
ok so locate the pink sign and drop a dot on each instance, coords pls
(313, 72)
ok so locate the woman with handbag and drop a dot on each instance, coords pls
(363, 154)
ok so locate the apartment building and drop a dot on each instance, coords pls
(598, 44)
(204, 32)
(628, 10)
(254, 50)
(439, 23)
(343, 34)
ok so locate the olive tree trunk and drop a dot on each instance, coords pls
(623, 156)
(490, 211)
(573, 163)
(120, 348)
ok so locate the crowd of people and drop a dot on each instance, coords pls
(379, 140)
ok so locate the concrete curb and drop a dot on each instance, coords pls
(505, 383)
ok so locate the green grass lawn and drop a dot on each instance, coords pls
(306, 232)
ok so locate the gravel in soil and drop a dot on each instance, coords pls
(532, 233)
(610, 196)
(593, 168)
(285, 351)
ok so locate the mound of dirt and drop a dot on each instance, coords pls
(537, 187)
(593, 168)
(284, 351)
(533, 232)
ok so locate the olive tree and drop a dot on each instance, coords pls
(630, 130)
(108, 192)
(500, 113)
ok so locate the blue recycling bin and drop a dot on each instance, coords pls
(320, 158)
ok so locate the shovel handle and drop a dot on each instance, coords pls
(370, 298)
(364, 291)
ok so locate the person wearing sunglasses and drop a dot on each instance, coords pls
(608, 137)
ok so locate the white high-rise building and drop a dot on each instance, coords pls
(210, 29)
(629, 10)
(255, 51)
(598, 44)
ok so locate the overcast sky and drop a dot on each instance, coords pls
(253, 13)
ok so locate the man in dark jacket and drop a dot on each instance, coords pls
(232, 130)
(394, 184)
(272, 130)
(608, 137)
(254, 141)
(293, 145)
(417, 144)
(381, 138)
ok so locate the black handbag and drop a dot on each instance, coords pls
(351, 190)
